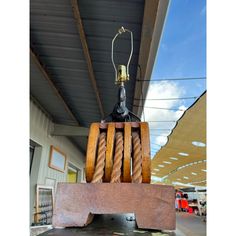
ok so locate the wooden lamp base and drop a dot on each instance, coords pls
(153, 205)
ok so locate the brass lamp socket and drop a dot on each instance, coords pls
(121, 74)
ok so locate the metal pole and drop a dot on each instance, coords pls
(198, 203)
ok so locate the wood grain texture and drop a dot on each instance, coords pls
(146, 160)
(121, 150)
(153, 205)
(91, 151)
(109, 151)
(127, 153)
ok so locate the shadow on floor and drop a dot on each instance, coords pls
(108, 225)
(113, 225)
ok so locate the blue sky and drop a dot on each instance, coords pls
(183, 44)
(181, 54)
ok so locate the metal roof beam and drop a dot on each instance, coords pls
(80, 28)
(67, 130)
(41, 67)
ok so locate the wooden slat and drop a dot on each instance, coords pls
(109, 151)
(91, 151)
(127, 153)
(146, 160)
(79, 25)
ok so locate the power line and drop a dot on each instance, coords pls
(170, 79)
(159, 134)
(158, 129)
(160, 99)
(156, 144)
(162, 121)
(161, 108)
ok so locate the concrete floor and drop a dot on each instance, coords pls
(112, 225)
(190, 224)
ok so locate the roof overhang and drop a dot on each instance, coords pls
(155, 13)
(71, 75)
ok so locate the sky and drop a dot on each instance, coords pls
(181, 54)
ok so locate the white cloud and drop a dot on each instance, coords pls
(163, 89)
(161, 140)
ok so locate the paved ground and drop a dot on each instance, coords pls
(113, 225)
(190, 225)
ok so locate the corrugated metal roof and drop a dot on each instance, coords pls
(101, 20)
(56, 42)
(53, 33)
(40, 89)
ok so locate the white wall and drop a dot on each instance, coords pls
(40, 126)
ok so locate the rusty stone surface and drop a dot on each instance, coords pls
(153, 205)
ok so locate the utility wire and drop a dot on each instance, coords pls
(171, 79)
(160, 99)
(156, 144)
(162, 121)
(158, 135)
(161, 108)
(158, 129)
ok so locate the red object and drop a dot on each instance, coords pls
(190, 210)
(178, 203)
(184, 204)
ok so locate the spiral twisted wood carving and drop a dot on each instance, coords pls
(116, 171)
(99, 169)
(137, 159)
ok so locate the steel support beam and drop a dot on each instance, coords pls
(79, 25)
(67, 130)
(41, 67)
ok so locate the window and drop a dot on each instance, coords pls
(73, 174)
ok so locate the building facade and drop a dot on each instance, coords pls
(41, 142)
